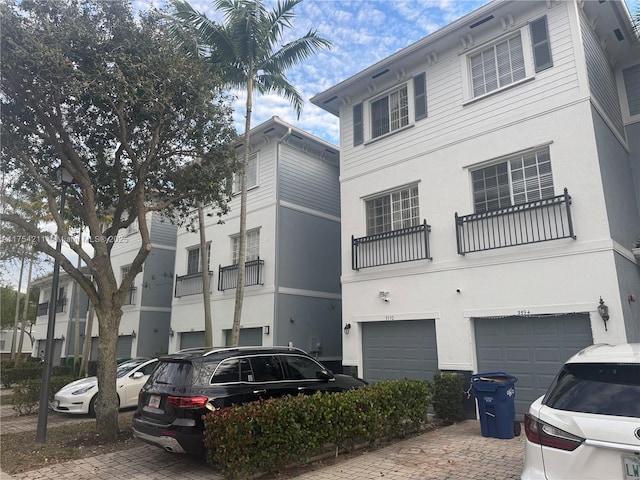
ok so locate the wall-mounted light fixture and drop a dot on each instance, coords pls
(347, 328)
(61, 337)
(133, 334)
(603, 310)
(384, 296)
(266, 329)
(171, 334)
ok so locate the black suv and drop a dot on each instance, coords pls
(186, 385)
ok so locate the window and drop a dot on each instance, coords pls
(193, 259)
(253, 246)
(133, 228)
(252, 175)
(631, 79)
(540, 44)
(393, 211)
(301, 368)
(497, 66)
(390, 112)
(130, 299)
(420, 96)
(520, 179)
(266, 368)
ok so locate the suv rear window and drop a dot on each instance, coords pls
(176, 374)
(606, 389)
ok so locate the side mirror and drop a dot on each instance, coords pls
(137, 375)
(324, 375)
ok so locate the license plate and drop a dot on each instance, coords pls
(154, 401)
(631, 468)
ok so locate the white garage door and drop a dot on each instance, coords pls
(531, 348)
(399, 349)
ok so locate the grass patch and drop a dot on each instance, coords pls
(21, 453)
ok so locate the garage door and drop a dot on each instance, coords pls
(249, 337)
(192, 340)
(397, 350)
(531, 348)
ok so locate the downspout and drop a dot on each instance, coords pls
(276, 279)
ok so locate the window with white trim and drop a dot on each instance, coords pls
(193, 259)
(520, 179)
(392, 111)
(252, 175)
(393, 211)
(252, 246)
(497, 66)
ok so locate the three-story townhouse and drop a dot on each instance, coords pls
(292, 286)
(489, 190)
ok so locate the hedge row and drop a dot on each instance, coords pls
(12, 374)
(25, 397)
(268, 435)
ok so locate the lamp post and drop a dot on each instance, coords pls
(65, 179)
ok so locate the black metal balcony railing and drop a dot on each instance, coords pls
(43, 308)
(130, 299)
(228, 276)
(533, 222)
(398, 246)
(190, 284)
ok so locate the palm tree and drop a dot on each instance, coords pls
(245, 50)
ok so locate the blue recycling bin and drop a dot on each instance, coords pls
(496, 394)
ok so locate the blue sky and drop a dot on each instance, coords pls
(362, 32)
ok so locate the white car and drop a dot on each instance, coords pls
(587, 426)
(80, 396)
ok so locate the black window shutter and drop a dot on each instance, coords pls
(420, 96)
(541, 45)
(358, 130)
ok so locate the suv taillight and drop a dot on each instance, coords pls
(542, 433)
(188, 402)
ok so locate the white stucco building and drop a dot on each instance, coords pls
(489, 179)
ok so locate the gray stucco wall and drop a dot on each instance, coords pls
(620, 191)
(309, 252)
(157, 281)
(629, 282)
(154, 329)
(633, 137)
(307, 321)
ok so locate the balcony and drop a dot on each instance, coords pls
(190, 284)
(398, 246)
(533, 222)
(228, 276)
(43, 308)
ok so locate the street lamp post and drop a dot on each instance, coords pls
(43, 408)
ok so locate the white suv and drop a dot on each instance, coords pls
(587, 426)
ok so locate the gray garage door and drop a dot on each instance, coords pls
(191, 340)
(531, 348)
(249, 337)
(397, 350)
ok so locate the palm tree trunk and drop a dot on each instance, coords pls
(242, 244)
(206, 287)
(86, 348)
(24, 313)
(17, 315)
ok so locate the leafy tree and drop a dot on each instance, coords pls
(245, 49)
(88, 87)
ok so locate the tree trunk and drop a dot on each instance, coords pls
(24, 313)
(242, 244)
(76, 315)
(107, 406)
(206, 280)
(17, 315)
(86, 349)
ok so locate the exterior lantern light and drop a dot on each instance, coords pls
(603, 310)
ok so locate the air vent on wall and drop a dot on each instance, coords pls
(379, 74)
(480, 22)
(619, 35)
(330, 100)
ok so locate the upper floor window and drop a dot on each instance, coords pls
(392, 111)
(253, 246)
(252, 175)
(507, 60)
(497, 66)
(193, 259)
(519, 179)
(393, 210)
(133, 227)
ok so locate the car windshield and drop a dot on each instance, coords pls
(176, 374)
(126, 367)
(601, 388)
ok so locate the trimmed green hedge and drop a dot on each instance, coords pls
(268, 435)
(25, 397)
(13, 374)
(448, 396)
